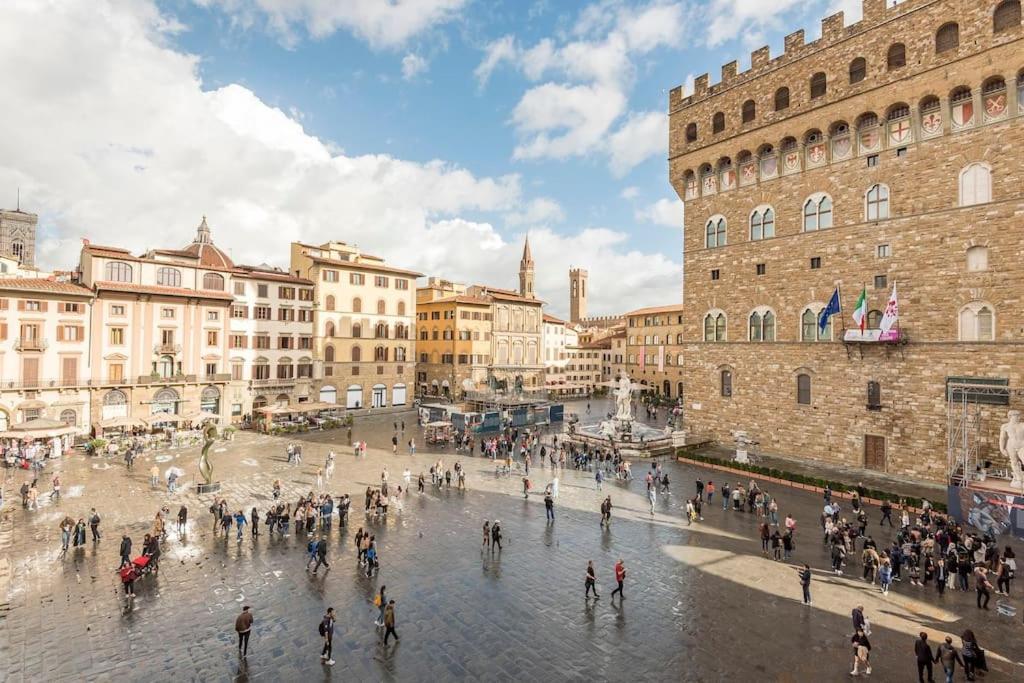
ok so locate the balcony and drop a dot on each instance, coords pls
(21, 344)
(167, 349)
(218, 377)
(173, 379)
(272, 382)
(62, 383)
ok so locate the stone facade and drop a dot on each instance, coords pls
(453, 339)
(18, 236)
(905, 169)
(362, 325)
(654, 344)
(577, 295)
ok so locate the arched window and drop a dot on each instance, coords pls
(329, 329)
(975, 184)
(357, 330)
(762, 223)
(357, 305)
(714, 232)
(817, 212)
(679, 338)
(977, 322)
(382, 307)
(400, 354)
(329, 302)
(381, 331)
(781, 99)
(874, 320)
(401, 308)
(69, 417)
(749, 111)
(803, 389)
(810, 326)
(718, 122)
(691, 132)
(819, 84)
(897, 57)
(357, 354)
(329, 354)
(947, 37)
(876, 203)
(977, 259)
(168, 277)
(118, 271)
(213, 281)
(725, 383)
(714, 326)
(762, 326)
(1006, 16)
(380, 353)
(18, 250)
(115, 397)
(858, 70)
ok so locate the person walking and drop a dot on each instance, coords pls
(243, 627)
(925, 657)
(549, 506)
(599, 478)
(154, 476)
(496, 535)
(55, 491)
(126, 550)
(652, 498)
(321, 555)
(620, 577)
(805, 583)
(389, 622)
(327, 633)
(948, 657)
(94, 525)
(66, 526)
(182, 519)
(590, 582)
(861, 653)
(886, 513)
(240, 522)
(983, 586)
(606, 512)
(254, 521)
(487, 534)
(380, 601)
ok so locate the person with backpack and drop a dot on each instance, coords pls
(327, 633)
(380, 601)
(320, 552)
(389, 622)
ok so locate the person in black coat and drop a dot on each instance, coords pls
(925, 657)
(126, 550)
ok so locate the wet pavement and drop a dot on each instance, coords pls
(702, 602)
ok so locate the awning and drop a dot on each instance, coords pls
(157, 418)
(123, 421)
(38, 423)
(38, 429)
(201, 416)
(299, 408)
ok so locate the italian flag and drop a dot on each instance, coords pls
(860, 311)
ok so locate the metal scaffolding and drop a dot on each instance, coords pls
(964, 404)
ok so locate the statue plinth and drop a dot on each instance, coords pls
(212, 487)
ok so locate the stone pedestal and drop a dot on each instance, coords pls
(208, 488)
(679, 438)
(741, 455)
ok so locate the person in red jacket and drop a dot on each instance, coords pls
(620, 576)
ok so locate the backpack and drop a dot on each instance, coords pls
(323, 628)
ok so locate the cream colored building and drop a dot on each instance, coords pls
(270, 339)
(159, 327)
(44, 342)
(453, 339)
(363, 320)
(516, 338)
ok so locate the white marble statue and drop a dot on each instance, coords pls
(623, 398)
(1011, 445)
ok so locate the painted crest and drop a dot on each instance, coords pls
(691, 188)
(995, 105)
(841, 147)
(791, 162)
(963, 114)
(769, 167)
(728, 179)
(710, 185)
(869, 140)
(899, 132)
(816, 154)
(931, 123)
(748, 174)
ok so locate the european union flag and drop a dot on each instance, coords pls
(830, 309)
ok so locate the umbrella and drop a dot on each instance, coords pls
(201, 416)
(37, 424)
(163, 417)
(176, 470)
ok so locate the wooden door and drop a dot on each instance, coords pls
(874, 452)
(69, 371)
(30, 371)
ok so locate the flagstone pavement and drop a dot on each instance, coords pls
(702, 602)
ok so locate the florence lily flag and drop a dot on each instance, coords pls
(860, 311)
(892, 312)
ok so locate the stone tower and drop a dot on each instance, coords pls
(526, 272)
(18, 235)
(577, 294)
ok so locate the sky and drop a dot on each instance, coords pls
(434, 133)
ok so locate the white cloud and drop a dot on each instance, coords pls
(501, 50)
(641, 136)
(560, 121)
(631, 192)
(147, 152)
(381, 24)
(589, 75)
(728, 19)
(412, 66)
(666, 212)
(537, 212)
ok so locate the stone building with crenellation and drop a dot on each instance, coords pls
(886, 152)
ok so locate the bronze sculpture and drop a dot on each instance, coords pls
(205, 467)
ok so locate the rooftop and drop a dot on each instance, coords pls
(165, 291)
(44, 286)
(674, 308)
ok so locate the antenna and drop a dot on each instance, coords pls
(18, 205)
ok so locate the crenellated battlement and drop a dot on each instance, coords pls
(833, 30)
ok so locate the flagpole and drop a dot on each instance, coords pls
(842, 318)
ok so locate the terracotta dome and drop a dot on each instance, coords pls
(203, 248)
